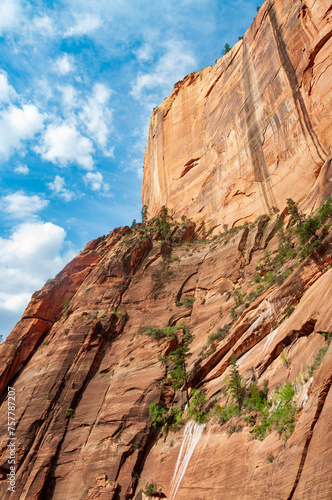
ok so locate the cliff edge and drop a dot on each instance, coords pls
(239, 138)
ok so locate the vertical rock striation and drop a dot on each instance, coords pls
(87, 359)
(239, 138)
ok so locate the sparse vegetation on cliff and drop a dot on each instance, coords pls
(152, 488)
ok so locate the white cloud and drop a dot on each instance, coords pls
(17, 125)
(6, 91)
(145, 52)
(21, 206)
(64, 64)
(44, 25)
(176, 62)
(21, 169)
(63, 144)
(96, 116)
(85, 24)
(69, 94)
(10, 15)
(59, 189)
(96, 182)
(30, 256)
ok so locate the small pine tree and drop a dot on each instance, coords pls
(237, 384)
(227, 48)
(297, 216)
(144, 214)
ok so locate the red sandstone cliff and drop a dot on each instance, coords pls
(82, 361)
(239, 138)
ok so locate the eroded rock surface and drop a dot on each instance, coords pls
(231, 143)
(239, 138)
(88, 374)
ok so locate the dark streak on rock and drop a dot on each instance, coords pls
(290, 73)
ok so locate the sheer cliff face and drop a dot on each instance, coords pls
(239, 138)
(84, 371)
(229, 144)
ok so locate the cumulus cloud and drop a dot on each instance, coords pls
(63, 144)
(31, 255)
(21, 206)
(175, 63)
(21, 169)
(85, 24)
(96, 182)
(59, 189)
(17, 125)
(96, 116)
(10, 15)
(64, 64)
(7, 93)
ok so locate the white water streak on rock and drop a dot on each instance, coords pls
(306, 393)
(191, 436)
(270, 338)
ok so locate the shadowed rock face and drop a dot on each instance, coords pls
(239, 138)
(229, 144)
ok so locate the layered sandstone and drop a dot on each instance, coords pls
(88, 376)
(229, 144)
(239, 138)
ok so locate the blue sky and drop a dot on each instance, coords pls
(78, 82)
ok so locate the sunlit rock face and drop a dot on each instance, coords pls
(239, 138)
(230, 144)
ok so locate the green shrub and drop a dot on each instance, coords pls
(308, 229)
(196, 409)
(233, 428)
(176, 366)
(285, 361)
(282, 417)
(256, 399)
(69, 413)
(319, 357)
(224, 414)
(270, 458)
(220, 334)
(152, 488)
(171, 419)
(160, 333)
(186, 301)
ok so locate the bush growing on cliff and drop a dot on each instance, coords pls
(196, 410)
(186, 301)
(220, 334)
(152, 488)
(320, 356)
(167, 419)
(282, 417)
(175, 363)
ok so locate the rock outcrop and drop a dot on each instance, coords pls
(239, 138)
(94, 355)
(85, 372)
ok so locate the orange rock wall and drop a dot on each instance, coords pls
(85, 375)
(239, 138)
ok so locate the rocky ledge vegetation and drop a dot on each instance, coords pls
(166, 359)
